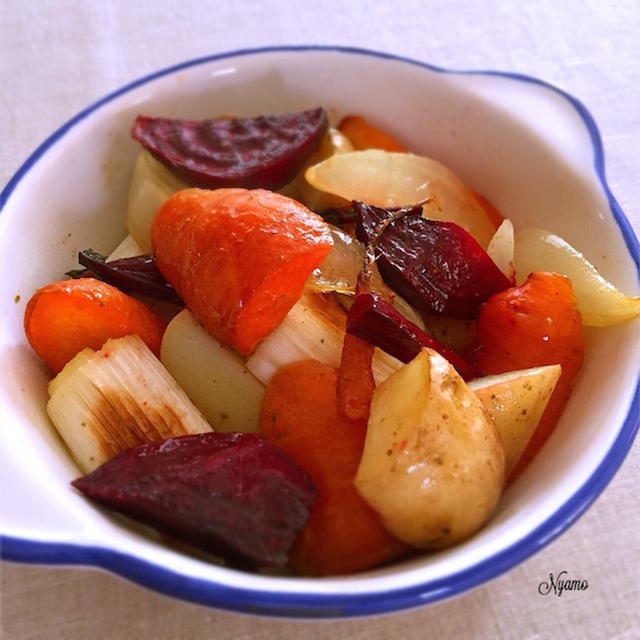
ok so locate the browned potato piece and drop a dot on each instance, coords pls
(433, 462)
(516, 401)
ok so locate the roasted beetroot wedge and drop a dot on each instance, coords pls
(232, 494)
(138, 274)
(266, 152)
(375, 320)
(436, 266)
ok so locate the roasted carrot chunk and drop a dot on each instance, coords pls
(65, 317)
(238, 258)
(532, 325)
(355, 378)
(363, 135)
(300, 415)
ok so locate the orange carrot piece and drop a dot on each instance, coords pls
(65, 317)
(300, 415)
(532, 325)
(363, 135)
(238, 258)
(355, 378)
(493, 214)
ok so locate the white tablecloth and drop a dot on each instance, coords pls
(58, 56)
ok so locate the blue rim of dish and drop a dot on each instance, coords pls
(345, 604)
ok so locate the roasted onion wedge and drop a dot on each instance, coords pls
(600, 303)
(389, 179)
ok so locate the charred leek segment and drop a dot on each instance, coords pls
(314, 328)
(151, 185)
(106, 401)
(599, 302)
(214, 377)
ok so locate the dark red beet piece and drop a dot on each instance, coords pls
(265, 152)
(233, 494)
(138, 274)
(375, 320)
(436, 266)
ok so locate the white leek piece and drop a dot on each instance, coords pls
(314, 328)
(401, 179)
(106, 401)
(152, 183)
(214, 376)
(600, 303)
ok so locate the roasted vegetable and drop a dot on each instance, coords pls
(232, 494)
(63, 318)
(300, 415)
(151, 185)
(599, 302)
(313, 329)
(355, 378)
(106, 401)
(373, 319)
(333, 142)
(137, 274)
(264, 152)
(400, 179)
(433, 463)
(436, 266)
(533, 325)
(238, 258)
(214, 377)
(364, 135)
(516, 401)
(128, 248)
(501, 250)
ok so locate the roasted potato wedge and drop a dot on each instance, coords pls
(433, 462)
(516, 401)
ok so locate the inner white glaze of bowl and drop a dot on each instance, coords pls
(521, 144)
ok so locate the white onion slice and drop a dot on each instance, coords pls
(400, 179)
(599, 302)
(339, 270)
